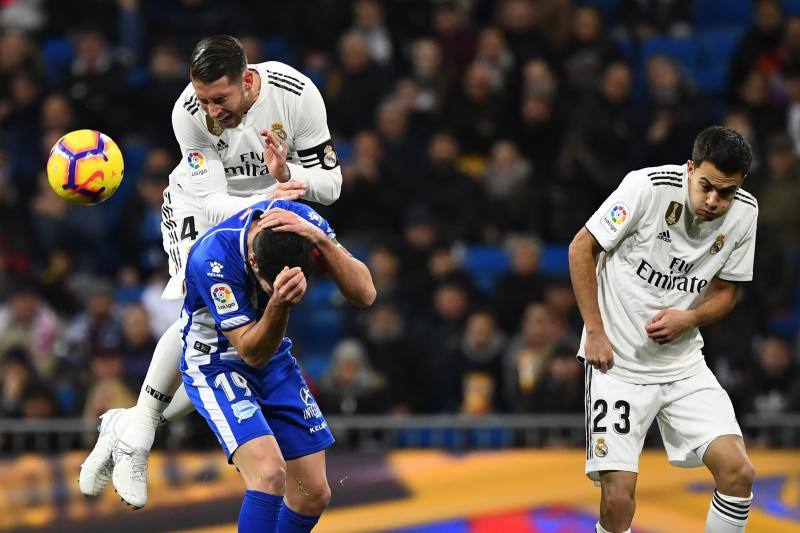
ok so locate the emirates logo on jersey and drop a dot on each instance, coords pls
(676, 279)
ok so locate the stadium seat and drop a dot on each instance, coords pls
(717, 47)
(723, 13)
(57, 53)
(554, 261)
(276, 48)
(485, 264)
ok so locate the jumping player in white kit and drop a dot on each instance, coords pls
(247, 133)
(663, 255)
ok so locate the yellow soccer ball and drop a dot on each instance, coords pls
(85, 167)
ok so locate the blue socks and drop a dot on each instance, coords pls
(291, 522)
(260, 512)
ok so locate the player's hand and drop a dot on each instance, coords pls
(598, 351)
(289, 190)
(669, 324)
(281, 220)
(289, 287)
(275, 152)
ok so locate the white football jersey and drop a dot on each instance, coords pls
(658, 255)
(225, 168)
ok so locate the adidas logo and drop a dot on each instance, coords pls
(221, 145)
(664, 236)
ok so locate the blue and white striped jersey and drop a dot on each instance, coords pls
(221, 293)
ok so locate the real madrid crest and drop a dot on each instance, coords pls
(214, 127)
(719, 242)
(329, 159)
(673, 213)
(278, 130)
(601, 448)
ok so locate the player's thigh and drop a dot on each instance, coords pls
(306, 477)
(225, 393)
(182, 224)
(618, 415)
(696, 411)
(291, 410)
(260, 463)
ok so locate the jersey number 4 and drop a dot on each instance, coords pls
(601, 407)
(188, 230)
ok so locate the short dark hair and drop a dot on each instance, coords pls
(275, 250)
(725, 148)
(217, 56)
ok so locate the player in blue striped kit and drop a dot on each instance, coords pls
(242, 279)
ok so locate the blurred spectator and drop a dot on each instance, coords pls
(17, 374)
(755, 99)
(561, 389)
(137, 344)
(479, 391)
(427, 70)
(527, 359)
(451, 194)
(107, 388)
(440, 334)
(57, 115)
(645, 19)
(673, 114)
(369, 23)
(28, 322)
(38, 401)
(96, 83)
(540, 131)
(767, 390)
(515, 290)
(506, 171)
(493, 52)
(349, 386)
(791, 77)
(400, 147)
(759, 49)
(517, 18)
(597, 150)
(454, 34)
(97, 329)
(588, 51)
(560, 301)
(477, 111)
(780, 196)
(361, 86)
(482, 349)
(168, 76)
(394, 357)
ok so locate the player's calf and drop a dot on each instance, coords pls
(617, 500)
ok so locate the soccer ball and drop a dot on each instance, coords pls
(85, 167)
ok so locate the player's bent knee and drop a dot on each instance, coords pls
(309, 498)
(738, 479)
(269, 477)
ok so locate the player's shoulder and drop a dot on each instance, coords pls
(187, 102)
(290, 81)
(745, 201)
(663, 177)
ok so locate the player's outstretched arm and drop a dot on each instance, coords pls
(583, 252)
(351, 276)
(257, 341)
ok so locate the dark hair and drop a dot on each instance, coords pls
(275, 250)
(217, 56)
(723, 147)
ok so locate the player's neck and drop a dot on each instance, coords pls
(255, 90)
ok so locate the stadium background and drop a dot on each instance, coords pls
(475, 138)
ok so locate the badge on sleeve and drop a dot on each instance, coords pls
(329, 159)
(224, 299)
(616, 217)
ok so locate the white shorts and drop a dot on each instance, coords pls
(691, 413)
(182, 223)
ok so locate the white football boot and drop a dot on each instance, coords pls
(96, 469)
(130, 473)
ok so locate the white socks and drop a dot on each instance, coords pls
(180, 406)
(727, 514)
(600, 529)
(137, 426)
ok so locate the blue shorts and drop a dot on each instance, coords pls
(241, 402)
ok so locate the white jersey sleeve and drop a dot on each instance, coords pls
(620, 213)
(205, 169)
(319, 164)
(739, 264)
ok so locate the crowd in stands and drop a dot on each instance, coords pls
(462, 126)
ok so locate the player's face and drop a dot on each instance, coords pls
(710, 190)
(224, 99)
